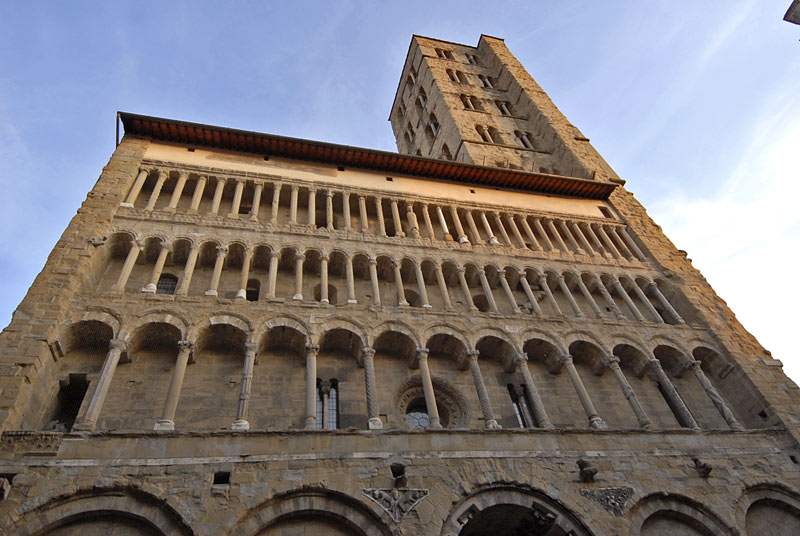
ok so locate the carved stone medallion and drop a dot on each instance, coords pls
(396, 502)
(612, 499)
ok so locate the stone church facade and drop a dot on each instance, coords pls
(485, 333)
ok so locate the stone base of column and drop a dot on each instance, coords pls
(310, 423)
(493, 241)
(402, 303)
(191, 211)
(492, 424)
(233, 215)
(463, 240)
(375, 423)
(435, 425)
(448, 237)
(83, 426)
(253, 217)
(164, 425)
(427, 306)
(211, 293)
(597, 422)
(325, 301)
(129, 205)
(297, 297)
(351, 302)
(169, 209)
(241, 293)
(150, 288)
(240, 424)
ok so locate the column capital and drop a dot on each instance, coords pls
(461, 269)
(422, 353)
(409, 206)
(312, 189)
(520, 358)
(117, 344)
(250, 347)
(324, 256)
(163, 173)
(166, 245)
(222, 250)
(183, 174)
(473, 354)
(299, 256)
(372, 260)
(222, 180)
(564, 359)
(651, 284)
(295, 187)
(185, 345)
(325, 387)
(329, 193)
(274, 254)
(368, 352)
(611, 360)
(137, 244)
(501, 273)
(312, 349)
(693, 366)
(655, 364)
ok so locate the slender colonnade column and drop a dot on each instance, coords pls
(222, 252)
(644, 421)
(136, 188)
(427, 388)
(276, 200)
(539, 413)
(151, 203)
(245, 275)
(188, 270)
(177, 192)
(217, 199)
(167, 420)
(480, 387)
(127, 266)
(442, 286)
(254, 210)
(351, 284)
(594, 418)
(323, 278)
(272, 278)
(311, 386)
(374, 420)
(373, 279)
(423, 291)
(507, 289)
(88, 420)
(299, 258)
(714, 395)
(244, 393)
(465, 288)
(197, 195)
(158, 268)
(398, 279)
(542, 280)
(674, 400)
(398, 225)
(529, 293)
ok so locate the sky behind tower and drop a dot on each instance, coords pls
(695, 104)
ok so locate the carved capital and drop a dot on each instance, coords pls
(185, 346)
(422, 353)
(368, 352)
(117, 344)
(312, 349)
(250, 347)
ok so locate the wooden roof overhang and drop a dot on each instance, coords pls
(214, 137)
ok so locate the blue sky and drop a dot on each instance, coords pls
(695, 104)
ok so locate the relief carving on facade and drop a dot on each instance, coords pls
(396, 502)
(612, 499)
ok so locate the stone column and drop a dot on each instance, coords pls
(413, 224)
(621, 247)
(515, 231)
(362, 211)
(559, 241)
(351, 284)
(329, 210)
(312, 207)
(652, 286)
(507, 289)
(607, 297)
(423, 291)
(476, 236)
(646, 301)
(373, 278)
(499, 223)
(237, 199)
(576, 231)
(197, 195)
(627, 299)
(542, 280)
(293, 204)
(462, 238)
(167, 420)
(644, 421)
(427, 388)
(545, 239)
(324, 394)
(398, 225)
(442, 286)
(571, 239)
(151, 203)
(311, 386)
(373, 413)
(217, 199)
(623, 232)
(256, 201)
(88, 420)
(299, 258)
(588, 231)
(276, 201)
(218, 264)
(531, 236)
(136, 188)
(594, 419)
(348, 224)
(272, 279)
(245, 275)
(398, 279)
(158, 268)
(480, 387)
(529, 293)
(188, 271)
(379, 211)
(488, 228)
(570, 298)
(446, 232)
(244, 393)
(539, 413)
(487, 289)
(127, 266)
(588, 296)
(323, 278)
(607, 242)
(714, 395)
(426, 216)
(177, 192)
(465, 288)
(674, 400)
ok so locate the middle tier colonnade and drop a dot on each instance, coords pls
(663, 362)
(254, 272)
(328, 207)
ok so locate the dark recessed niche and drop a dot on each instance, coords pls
(389, 179)
(472, 191)
(190, 149)
(266, 157)
(340, 168)
(222, 478)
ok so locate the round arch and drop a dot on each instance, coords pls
(676, 514)
(510, 503)
(312, 503)
(768, 510)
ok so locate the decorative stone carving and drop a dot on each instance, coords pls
(702, 468)
(39, 442)
(396, 502)
(96, 240)
(612, 499)
(586, 471)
